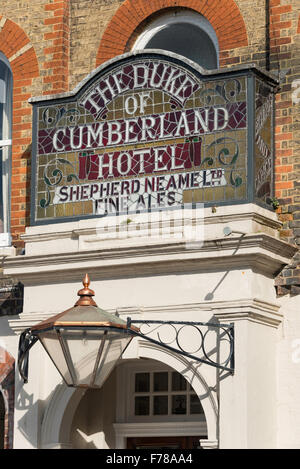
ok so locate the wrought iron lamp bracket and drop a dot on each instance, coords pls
(26, 341)
(201, 354)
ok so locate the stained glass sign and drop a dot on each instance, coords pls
(264, 116)
(146, 132)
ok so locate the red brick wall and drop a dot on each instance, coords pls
(284, 57)
(225, 17)
(52, 70)
(16, 46)
(57, 54)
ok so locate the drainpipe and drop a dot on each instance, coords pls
(267, 34)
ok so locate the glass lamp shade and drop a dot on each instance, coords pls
(85, 342)
(85, 357)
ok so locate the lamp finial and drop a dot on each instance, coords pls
(86, 281)
(86, 294)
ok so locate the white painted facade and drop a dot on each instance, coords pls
(226, 278)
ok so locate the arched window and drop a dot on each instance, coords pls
(5, 148)
(184, 32)
(2, 419)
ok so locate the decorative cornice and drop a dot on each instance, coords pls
(260, 252)
(209, 219)
(27, 320)
(49, 236)
(253, 309)
(246, 216)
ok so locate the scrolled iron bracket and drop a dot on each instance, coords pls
(201, 353)
(26, 341)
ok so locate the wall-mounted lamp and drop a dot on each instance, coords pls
(85, 342)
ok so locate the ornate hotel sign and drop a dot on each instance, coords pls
(149, 132)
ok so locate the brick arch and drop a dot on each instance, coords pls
(16, 46)
(225, 18)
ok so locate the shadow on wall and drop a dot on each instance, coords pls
(87, 425)
(210, 295)
(31, 411)
(92, 424)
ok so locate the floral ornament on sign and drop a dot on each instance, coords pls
(53, 116)
(226, 91)
(226, 158)
(58, 175)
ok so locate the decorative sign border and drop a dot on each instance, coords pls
(146, 132)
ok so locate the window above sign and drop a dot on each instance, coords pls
(183, 32)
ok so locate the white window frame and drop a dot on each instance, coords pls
(128, 425)
(176, 16)
(5, 146)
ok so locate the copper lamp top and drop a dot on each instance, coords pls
(86, 294)
(85, 312)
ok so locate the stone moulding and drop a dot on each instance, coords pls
(77, 233)
(259, 252)
(254, 309)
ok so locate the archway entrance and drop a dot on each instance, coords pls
(143, 404)
(157, 407)
(109, 417)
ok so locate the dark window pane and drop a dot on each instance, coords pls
(141, 405)
(178, 405)
(199, 46)
(160, 405)
(195, 405)
(178, 382)
(161, 381)
(142, 382)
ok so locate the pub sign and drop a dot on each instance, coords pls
(151, 131)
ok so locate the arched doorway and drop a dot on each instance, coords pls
(98, 418)
(157, 407)
(76, 418)
(144, 403)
